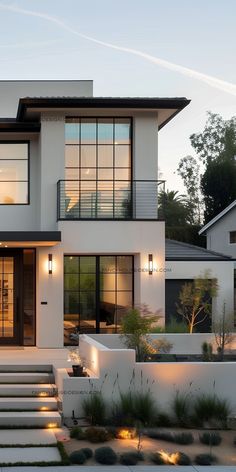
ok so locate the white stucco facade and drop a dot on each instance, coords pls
(139, 236)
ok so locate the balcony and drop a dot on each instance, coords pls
(108, 199)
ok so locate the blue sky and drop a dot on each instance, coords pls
(199, 35)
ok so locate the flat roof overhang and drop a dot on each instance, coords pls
(13, 126)
(30, 108)
(29, 238)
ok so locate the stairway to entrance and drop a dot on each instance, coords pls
(28, 397)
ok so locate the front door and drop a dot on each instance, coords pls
(10, 301)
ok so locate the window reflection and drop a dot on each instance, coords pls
(97, 291)
(101, 153)
(13, 173)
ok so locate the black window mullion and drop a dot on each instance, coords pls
(79, 168)
(113, 183)
(98, 295)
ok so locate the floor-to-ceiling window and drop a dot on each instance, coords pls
(97, 291)
(98, 168)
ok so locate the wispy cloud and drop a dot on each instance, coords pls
(30, 44)
(219, 84)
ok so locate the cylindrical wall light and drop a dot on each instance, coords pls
(150, 264)
(50, 264)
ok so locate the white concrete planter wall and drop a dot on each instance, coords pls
(115, 370)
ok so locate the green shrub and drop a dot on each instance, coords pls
(181, 409)
(129, 458)
(183, 459)
(157, 458)
(78, 457)
(211, 439)
(210, 408)
(161, 435)
(183, 438)
(105, 455)
(94, 409)
(87, 452)
(77, 433)
(97, 435)
(204, 459)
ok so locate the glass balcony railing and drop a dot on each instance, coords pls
(108, 199)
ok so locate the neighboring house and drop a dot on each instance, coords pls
(220, 234)
(184, 262)
(79, 230)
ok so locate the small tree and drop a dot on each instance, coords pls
(223, 333)
(195, 300)
(135, 327)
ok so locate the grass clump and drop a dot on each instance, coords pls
(87, 452)
(182, 459)
(129, 458)
(181, 409)
(94, 408)
(157, 458)
(78, 457)
(105, 455)
(77, 433)
(97, 435)
(204, 459)
(212, 410)
(183, 438)
(161, 435)
(135, 407)
(210, 439)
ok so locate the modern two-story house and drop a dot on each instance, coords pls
(80, 236)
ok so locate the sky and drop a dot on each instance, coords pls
(131, 48)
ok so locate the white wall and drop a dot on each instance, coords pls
(222, 270)
(12, 90)
(218, 234)
(182, 343)
(115, 370)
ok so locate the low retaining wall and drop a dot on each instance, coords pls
(115, 370)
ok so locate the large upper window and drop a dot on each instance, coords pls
(98, 161)
(14, 173)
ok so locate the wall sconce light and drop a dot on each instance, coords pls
(50, 264)
(150, 264)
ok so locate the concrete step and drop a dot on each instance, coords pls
(26, 368)
(28, 390)
(12, 455)
(27, 436)
(24, 404)
(37, 419)
(25, 377)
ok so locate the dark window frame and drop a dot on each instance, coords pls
(28, 170)
(97, 167)
(97, 289)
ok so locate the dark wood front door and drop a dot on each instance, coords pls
(10, 297)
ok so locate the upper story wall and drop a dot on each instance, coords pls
(218, 234)
(12, 90)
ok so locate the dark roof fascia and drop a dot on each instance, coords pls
(101, 102)
(209, 259)
(18, 236)
(8, 126)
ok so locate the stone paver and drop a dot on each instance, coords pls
(147, 468)
(28, 454)
(27, 436)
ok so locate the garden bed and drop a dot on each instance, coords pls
(225, 452)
